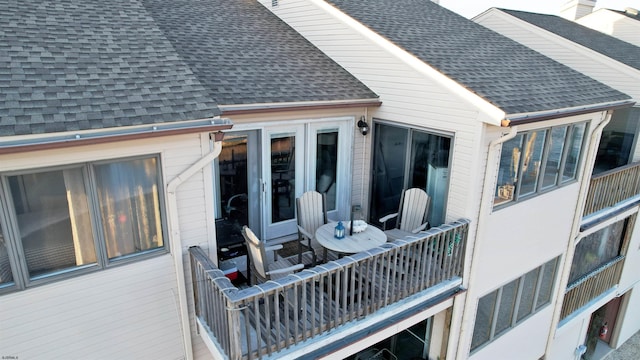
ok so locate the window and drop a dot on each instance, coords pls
(597, 249)
(504, 308)
(82, 216)
(406, 158)
(6, 276)
(538, 160)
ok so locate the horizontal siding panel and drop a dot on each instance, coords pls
(129, 310)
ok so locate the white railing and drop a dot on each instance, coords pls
(266, 318)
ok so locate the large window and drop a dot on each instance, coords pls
(538, 160)
(506, 307)
(83, 216)
(406, 158)
(597, 249)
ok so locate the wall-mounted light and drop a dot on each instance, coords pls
(363, 126)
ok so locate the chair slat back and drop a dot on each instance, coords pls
(311, 211)
(256, 251)
(414, 207)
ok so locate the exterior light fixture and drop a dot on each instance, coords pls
(363, 126)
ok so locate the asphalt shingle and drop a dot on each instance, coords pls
(69, 65)
(244, 54)
(610, 46)
(513, 77)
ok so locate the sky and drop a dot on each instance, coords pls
(471, 8)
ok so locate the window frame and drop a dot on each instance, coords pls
(8, 223)
(494, 333)
(540, 188)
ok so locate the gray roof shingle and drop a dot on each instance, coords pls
(610, 46)
(244, 54)
(86, 64)
(513, 77)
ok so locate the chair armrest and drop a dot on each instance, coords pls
(388, 217)
(273, 248)
(288, 269)
(305, 232)
(420, 228)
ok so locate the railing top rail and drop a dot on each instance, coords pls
(236, 295)
(595, 272)
(615, 170)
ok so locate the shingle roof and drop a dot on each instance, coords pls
(85, 64)
(505, 73)
(610, 46)
(244, 54)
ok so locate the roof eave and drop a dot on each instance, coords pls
(526, 118)
(16, 144)
(241, 109)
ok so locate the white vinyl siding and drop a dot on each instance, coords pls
(408, 96)
(129, 311)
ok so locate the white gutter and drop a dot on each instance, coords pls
(297, 104)
(176, 245)
(486, 204)
(575, 231)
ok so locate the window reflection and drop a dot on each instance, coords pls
(54, 220)
(327, 165)
(6, 276)
(283, 175)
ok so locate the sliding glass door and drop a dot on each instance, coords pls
(405, 158)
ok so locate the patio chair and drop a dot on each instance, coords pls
(312, 213)
(411, 217)
(262, 268)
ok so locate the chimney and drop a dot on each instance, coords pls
(631, 11)
(575, 9)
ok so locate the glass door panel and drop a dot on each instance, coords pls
(389, 147)
(327, 165)
(283, 155)
(283, 177)
(405, 158)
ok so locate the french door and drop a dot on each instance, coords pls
(270, 167)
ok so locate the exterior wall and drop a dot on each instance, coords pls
(518, 238)
(615, 74)
(359, 144)
(614, 24)
(525, 341)
(128, 311)
(408, 95)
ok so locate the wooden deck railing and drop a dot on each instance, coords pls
(611, 187)
(264, 319)
(591, 286)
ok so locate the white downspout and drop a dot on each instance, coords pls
(176, 246)
(486, 203)
(575, 231)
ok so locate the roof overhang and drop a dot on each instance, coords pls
(526, 118)
(242, 109)
(15, 144)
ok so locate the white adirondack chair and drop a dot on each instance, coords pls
(411, 217)
(262, 268)
(312, 213)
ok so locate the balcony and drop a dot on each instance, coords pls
(265, 319)
(592, 285)
(611, 187)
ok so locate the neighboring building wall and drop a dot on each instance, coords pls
(614, 24)
(515, 240)
(128, 311)
(615, 74)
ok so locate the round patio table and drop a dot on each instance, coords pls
(368, 239)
